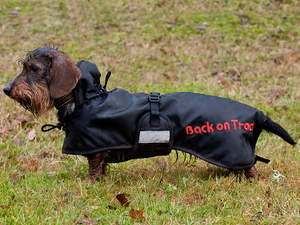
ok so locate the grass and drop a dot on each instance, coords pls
(155, 46)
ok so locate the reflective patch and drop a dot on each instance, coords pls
(147, 137)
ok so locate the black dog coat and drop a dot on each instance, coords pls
(218, 130)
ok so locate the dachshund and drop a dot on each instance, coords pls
(51, 79)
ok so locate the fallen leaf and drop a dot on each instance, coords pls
(156, 160)
(273, 38)
(233, 71)
(164, 163)
(160, 3)
(17, 140)
(14, 12)
(167, 75)
(67, 194)
(112, 207)
(3, 69)
(22, 120)
(136, 214)
(44, 155)
(169, 26)
(31, 135)
(84, 221)
(275, 3)
(33, 166)
(221, 80)
(161, 180)
(152, 57)
(244, 20)
(257, 216)
(14, 42)
(95, 208)
(241, 5)
(194, 198)
(86, 212)
(123, 200)
(15, 177)
(130, 44)
(201, 27)
(291, 57)
(257, 84)
(278, 60)
(161, 163)
(215, 73)
(157, 39)
(164, 51)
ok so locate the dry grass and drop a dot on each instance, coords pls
(155, 46)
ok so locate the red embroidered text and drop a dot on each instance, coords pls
(210, 128)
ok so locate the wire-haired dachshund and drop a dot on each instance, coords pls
(115, 126)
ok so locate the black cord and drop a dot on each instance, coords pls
(58, 126)
(106, 79)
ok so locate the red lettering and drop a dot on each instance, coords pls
(209, 127)
(226, 126)
(234, 123)
(189, 130)
(202, 129)
(240, 125)
(197, 130)
(251, 126)
(219, 126)
(247, 126)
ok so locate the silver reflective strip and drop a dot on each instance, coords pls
(154, 136)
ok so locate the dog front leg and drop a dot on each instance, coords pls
(97, 165)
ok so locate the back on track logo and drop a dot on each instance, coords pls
(210, 128)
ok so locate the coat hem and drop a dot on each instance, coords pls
(84, 152)
(209, 160)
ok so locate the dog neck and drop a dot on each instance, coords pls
(65, 106)
(63, 101)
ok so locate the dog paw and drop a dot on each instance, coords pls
(251, 173)
(94, 178)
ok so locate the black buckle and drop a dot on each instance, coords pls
(154, 97)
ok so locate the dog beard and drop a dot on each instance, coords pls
(35, 99)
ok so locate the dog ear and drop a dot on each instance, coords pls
(64, 75)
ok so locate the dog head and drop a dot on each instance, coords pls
(48, 74)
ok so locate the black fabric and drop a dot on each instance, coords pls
(218, 130)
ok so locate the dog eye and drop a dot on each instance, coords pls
(34, 69)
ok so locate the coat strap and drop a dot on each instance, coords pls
(154, 99)
(261, 159)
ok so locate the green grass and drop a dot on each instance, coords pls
(155, 46)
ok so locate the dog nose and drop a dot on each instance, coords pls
(7, 90)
